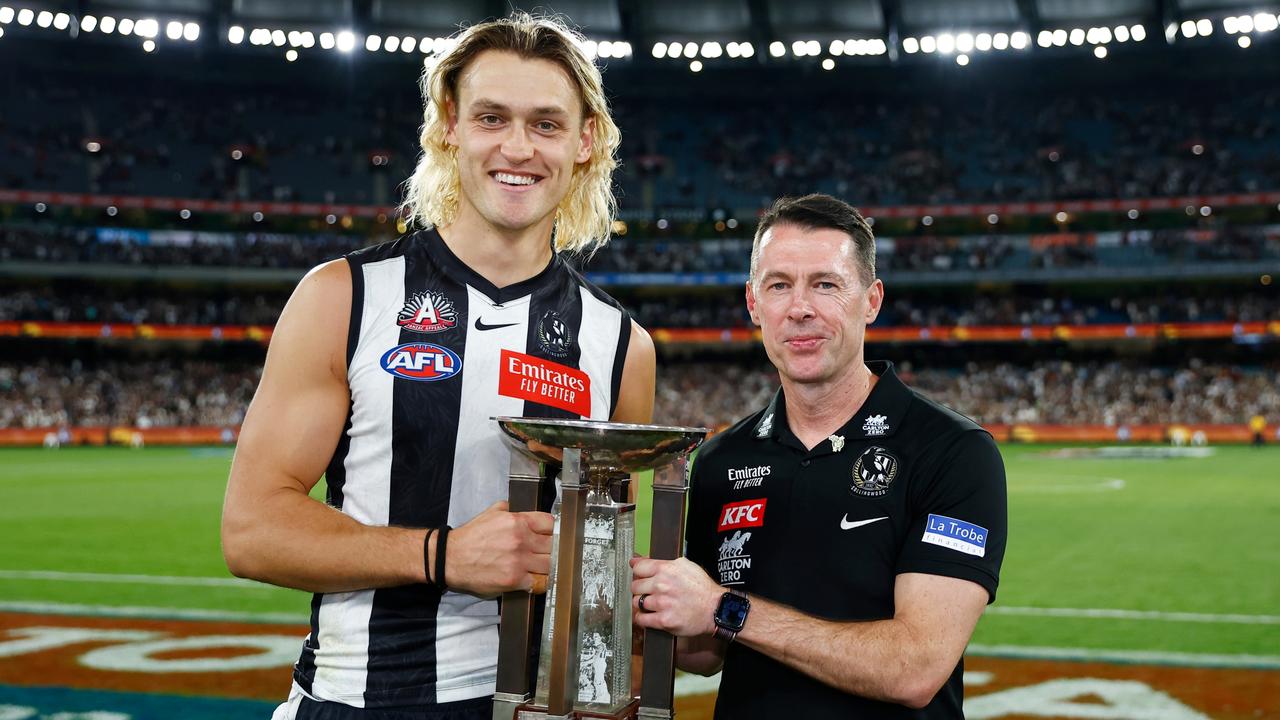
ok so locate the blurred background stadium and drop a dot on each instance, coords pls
(1077, 205)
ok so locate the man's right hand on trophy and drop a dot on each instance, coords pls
(497, 551)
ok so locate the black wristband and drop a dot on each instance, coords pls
(426, 554)
(442, 543)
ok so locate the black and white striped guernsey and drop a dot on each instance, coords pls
(434, 351)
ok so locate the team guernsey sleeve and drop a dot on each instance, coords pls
(959, 517)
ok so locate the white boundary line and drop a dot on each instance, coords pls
(1127, 657)
(1111, 614)
(152, 613)
(128, 579)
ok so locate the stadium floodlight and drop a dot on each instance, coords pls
(962, 60)
(1245, 23)
(326, 41)
(964, 43)
(112, 211)
(44, 19)
(814, 47)
(26, 17)
(345, 41)
(993, 218)
(1060, 37)
(946, 43)
(675, 50)
(927, 220)
(235, 34)
(983, 42)
(295, 38)
(191, 32)
(799, 48)
(149, 46)
(258, 216)
(1244, 41)
(621, 49)
(878, 47)
(1133, 213)
(1020, 40)
(911, 45)
(93, 146)
(691, 50)
(589, 49)
(6, 14)
(1077, 36)
(695, 66)
(1100, 52)
(88, 23)
(1121, 33)
(711, 50)
(1000, 41)
(1205, 211)
(173, 30)
(125, 26)
(291, 55)
(308, 39)
(1138, 33)
(409, 44)
(732, 50)
(1205, 27)
(928, 44)
(61, 21)
(107, 25)
(1265, 22)
(1045, 38)
(777, 49)
(659, 50)
(392, 44)
(184, 213)
(746, 49)
(277, 38)
(1188, 28)
(372, 43)
(260, 36)
(836, 48)
(828, 64)
(148, 28)
(1231, 25)
(1, 32)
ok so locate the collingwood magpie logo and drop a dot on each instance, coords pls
(554, 336)
(873, 471)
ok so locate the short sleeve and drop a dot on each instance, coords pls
(699, 533)
(959, 515)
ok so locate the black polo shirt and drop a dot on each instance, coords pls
(906, 486)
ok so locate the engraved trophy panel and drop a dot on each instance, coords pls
(584, 657)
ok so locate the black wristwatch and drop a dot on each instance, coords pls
(731, 615)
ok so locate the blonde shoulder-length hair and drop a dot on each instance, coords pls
(584, 218)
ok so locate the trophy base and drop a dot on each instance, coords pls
(529, 711)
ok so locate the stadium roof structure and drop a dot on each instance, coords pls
(647, 31)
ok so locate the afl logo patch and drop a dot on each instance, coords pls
(873, 471)
(554, 336)
(421, 362)
(427, 312)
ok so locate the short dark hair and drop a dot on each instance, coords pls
(821, 212)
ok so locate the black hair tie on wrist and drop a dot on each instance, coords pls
(442, 544)
(426, 554)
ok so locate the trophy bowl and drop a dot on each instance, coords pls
(618, 447)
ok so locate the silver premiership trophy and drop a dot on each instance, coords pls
(583, 648)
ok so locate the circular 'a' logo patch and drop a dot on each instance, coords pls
(873, 471)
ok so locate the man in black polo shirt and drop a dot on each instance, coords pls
(843, 541)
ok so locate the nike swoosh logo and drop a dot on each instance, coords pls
(846, 525)
(480, 325)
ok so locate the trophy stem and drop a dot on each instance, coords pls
(666, 539)
(516, 631)
(563, 690)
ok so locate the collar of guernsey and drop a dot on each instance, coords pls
(879, 417)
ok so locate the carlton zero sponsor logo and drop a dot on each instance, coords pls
(956, 534)
(749, 477)
(422, 362)
(748, 513)
(427, 312)
(733, 558)
(544, 382)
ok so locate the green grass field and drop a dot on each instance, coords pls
(1180, 535)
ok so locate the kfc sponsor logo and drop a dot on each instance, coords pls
(427, 312)
(748, 513)
(421, 362)
(544, 382)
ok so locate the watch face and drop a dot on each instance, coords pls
(732, 612)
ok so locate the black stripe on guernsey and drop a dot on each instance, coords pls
(402, 624)
(551, 303)
(619, 361)
(357, 310)
(305, 669)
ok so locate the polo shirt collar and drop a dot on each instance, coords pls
(879, 417)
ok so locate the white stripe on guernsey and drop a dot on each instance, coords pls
(343, 659)
(466, 626)
(598, 343)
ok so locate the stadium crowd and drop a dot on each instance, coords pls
(720, 309)
(712, 394)
(83, 133)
